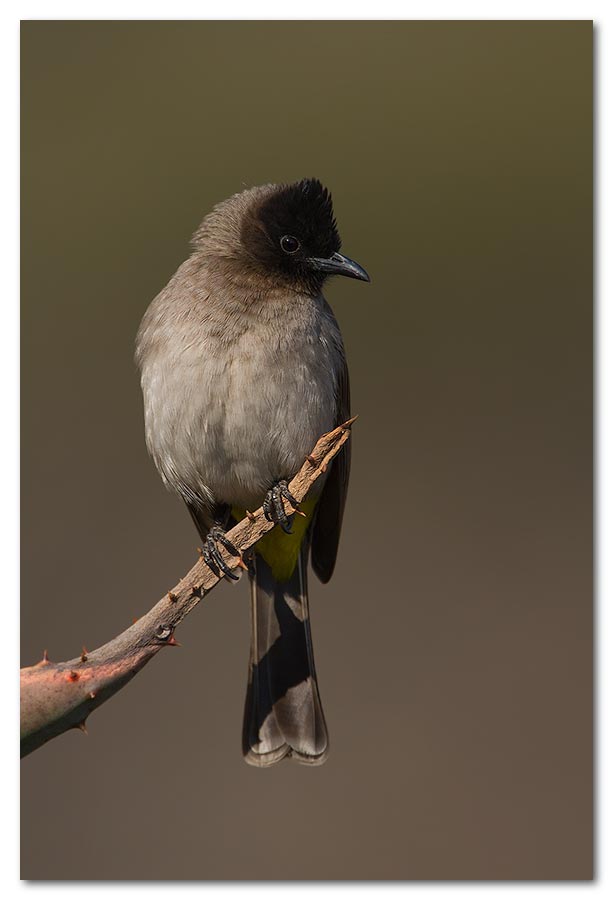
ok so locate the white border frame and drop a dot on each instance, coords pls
(11, 13)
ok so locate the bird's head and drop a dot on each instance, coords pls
(284, 233)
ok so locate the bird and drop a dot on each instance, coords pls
(243, 368)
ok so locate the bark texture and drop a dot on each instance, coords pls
(56, 696)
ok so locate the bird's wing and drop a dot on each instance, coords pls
(329, 513)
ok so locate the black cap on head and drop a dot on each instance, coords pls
(293, 232)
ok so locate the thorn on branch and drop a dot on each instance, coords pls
(48, 708)
(163, 632)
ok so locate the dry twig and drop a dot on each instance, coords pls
(59, 696)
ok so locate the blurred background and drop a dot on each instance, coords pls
(454, 644)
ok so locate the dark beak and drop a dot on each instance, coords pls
(340, 265)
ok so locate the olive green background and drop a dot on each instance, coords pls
(454, 644)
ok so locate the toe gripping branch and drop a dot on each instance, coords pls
(58, 696)
(274, 509)
(211, 553)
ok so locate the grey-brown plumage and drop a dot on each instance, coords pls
(242, 369)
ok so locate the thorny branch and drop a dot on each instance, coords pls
(59, 696)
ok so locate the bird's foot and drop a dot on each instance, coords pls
(211, 553)
(274, 508)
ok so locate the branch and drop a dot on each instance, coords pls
(59, 696)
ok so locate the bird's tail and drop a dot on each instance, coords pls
(283, 714)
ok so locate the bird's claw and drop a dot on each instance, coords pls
(212, 555)
(274, 509)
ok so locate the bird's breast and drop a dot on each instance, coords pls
(274, 398)
(235, 409)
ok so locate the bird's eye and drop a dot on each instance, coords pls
(290, 244)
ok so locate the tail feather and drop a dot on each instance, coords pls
(283, 713)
